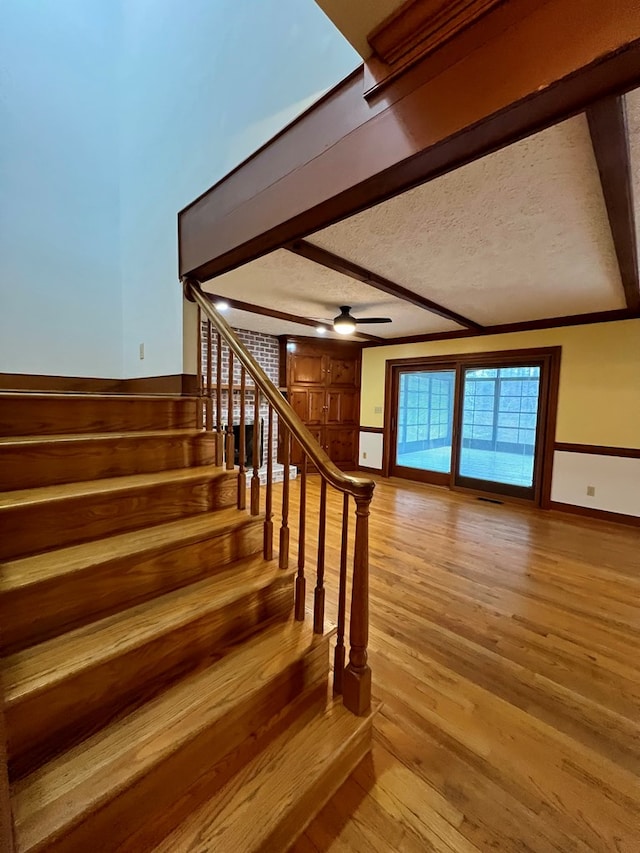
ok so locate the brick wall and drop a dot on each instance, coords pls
(265, 349)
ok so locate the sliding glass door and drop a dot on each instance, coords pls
(424, 432)
(476, 422)
(498, 431)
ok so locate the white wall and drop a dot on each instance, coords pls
(114, 114)
(60, 292)
(203, 85)
(370, 453)
(616, 481)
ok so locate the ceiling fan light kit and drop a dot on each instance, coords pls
(345, 324)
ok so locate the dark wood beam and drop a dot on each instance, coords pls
(282, 315)
(612, 316)
(610, 138)
(334, 262)
(520, 68)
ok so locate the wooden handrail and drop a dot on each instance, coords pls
(354, 680)
(359, 487)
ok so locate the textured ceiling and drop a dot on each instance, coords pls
(633, 120)
(356, 18)
(286, 282)
(271, 325)
(519, 235)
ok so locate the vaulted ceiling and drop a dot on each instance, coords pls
(521, 235)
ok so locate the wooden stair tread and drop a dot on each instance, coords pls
(245, 813)
(78, 782)
(77, 437)
(38, 568)
(109, 485)
(40, 667)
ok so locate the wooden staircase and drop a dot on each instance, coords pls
(157, 692)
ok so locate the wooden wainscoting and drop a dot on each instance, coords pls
(177, 383)
(505, 646)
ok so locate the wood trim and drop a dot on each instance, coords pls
(184, 384)
(610, 139)
(341, 265)
(473, 358)
(388, 414)
(548, 357)
(417, 475)
(615, 315)
(422, 26)
(368, 470)
(598, 450)
(550, 432)
(601, 514)
(251, 308)
(374, 430)
(349, 153)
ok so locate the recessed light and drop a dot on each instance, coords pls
(321, 330)
(221, 305)
(291, 347)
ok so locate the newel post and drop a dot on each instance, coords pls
(356, 683)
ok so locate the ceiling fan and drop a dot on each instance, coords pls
(345, 323)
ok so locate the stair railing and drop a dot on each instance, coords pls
(353, 681)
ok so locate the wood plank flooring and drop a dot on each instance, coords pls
(505, 646)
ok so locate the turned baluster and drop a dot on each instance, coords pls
(257, 442)
(339, 654)
(209, 398)
(318, 596)
(219, 431)
(356, 681)
(242, 442)
(300, 579)
(199, 379)
(284, 529)
(230, 447)
(268, 503)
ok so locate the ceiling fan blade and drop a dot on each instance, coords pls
(372, 320)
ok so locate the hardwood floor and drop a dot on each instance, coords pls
(505, 646)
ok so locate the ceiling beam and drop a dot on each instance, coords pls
(334, 262)
(612, 316)
(610, 138)
(523, 67)
(250, 308)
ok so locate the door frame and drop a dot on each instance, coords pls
(549, 360)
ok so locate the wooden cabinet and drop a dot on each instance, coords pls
(322, 379)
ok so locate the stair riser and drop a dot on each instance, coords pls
(33, 464)
(152, 797)
(40, 726)
(37, 613)
(299, 711)
(26, 414)
(306, 808)
(38, 527)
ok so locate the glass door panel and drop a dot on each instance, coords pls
(499, 427)
(425, 420)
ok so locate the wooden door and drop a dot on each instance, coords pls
(341, 407)
(296, 452)
(323, 386)
(309, 405)
(307, 368)
(341, 445)
(342, 370)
